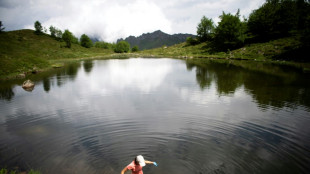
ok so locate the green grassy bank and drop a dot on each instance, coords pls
(23, 51)
(270, 52)
(256, 51)
(6, 171)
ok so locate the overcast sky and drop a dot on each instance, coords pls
(110, 20)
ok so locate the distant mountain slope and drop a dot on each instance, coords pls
(156, 39)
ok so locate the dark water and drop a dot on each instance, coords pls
(95, 117)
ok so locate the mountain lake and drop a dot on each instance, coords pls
(215, 117)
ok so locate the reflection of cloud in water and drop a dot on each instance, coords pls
(124, 75)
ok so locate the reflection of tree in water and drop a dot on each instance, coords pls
(273, 90)
(304, 97)
(72, 70)
(227, 78)
(204, 78)
(276, 92)
(6, 92)
(59, 77)
(69, 72)
(62, 75)
(88, 66)
(46, 84)
(190, 66)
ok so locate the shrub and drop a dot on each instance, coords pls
(38, 27)
(135, 48)
(1, 27)
(191, 41)
(55, 32)
(85, 41)
(122, 47)
(67, 36)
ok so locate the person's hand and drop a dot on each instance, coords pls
(155, 164)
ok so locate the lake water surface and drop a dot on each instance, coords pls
(96, 116)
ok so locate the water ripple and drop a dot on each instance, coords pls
(98, 121)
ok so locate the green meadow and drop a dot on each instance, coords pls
(23, 52)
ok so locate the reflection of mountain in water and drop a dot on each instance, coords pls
(283, 87)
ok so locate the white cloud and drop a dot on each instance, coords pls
(110, 20)
(107, 20)
(186, 14)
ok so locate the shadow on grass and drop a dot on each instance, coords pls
(299, 54)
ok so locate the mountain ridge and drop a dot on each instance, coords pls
(155, 39)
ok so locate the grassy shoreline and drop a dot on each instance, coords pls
(6, 171)
(60, 63)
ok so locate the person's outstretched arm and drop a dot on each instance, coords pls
(124, 170)
(148, 162)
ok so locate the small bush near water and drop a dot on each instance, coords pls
(122, 47)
